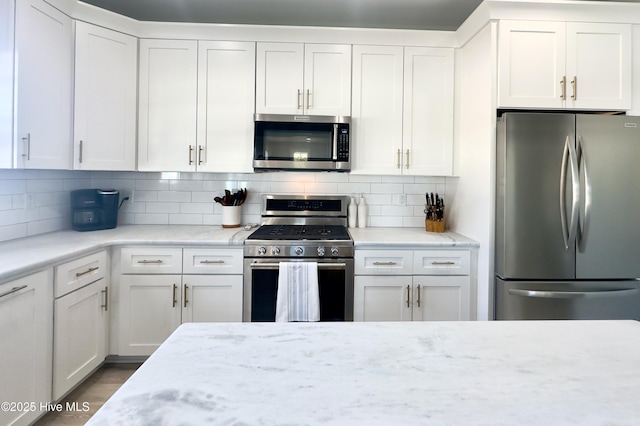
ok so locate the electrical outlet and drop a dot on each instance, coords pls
(402, 200)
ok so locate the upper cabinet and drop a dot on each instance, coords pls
(196, 105)
(167, 105)
(402, 110)
(44, 89)
(564, 65)
(105, 99)
(294, 78)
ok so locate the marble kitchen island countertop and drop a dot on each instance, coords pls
(31, 253)
(416, 238)
(416, 373)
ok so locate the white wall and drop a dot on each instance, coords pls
(34, 202)
(472, 192)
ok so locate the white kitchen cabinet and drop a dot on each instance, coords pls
(6, 83)
(402, 110)
(44, 86)
(80, 335)
(226, 99)
(376, 130)
(407, 285)
(167, 105)
(160, 288)
(80, 320)
(26, 341)
(105, 99)
(573, 65)
(295, 78)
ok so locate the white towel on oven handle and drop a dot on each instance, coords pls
(298, 297)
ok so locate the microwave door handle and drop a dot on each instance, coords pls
(335, 142)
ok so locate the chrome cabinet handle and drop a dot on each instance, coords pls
(190, 155)
(389, 263)
(27, 142)
(448, 262)
(88, 271)
(407, 165)
(563, 85)
(200, 152)
(418, 296)
(399, 153)
(298, 99)
(106, 299)
(150, 262)
(208, 262)
(175, 295)
(574, 86)
(186, 287)
(13, 290)
(408, 296)
(308, 98)
(80, 151)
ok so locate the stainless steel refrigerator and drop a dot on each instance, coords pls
(567, 216)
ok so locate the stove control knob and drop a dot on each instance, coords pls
(335, 251)
(321, 251)
(299, 251)
(262, 251)
(275, 250)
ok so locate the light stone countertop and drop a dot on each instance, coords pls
(26, 255)
(410, 373)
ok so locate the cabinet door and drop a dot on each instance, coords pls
(226, 96)
(6, 83)
(598, 65)
(428, 111)
(327, 79)
(149, 311)
(80, 335)
(26, 312)
(168, 102)
(382, 298)
(531, 64)
(440, 298)
(44, 46)
(377, 109)
(105, 99)
(212, 298)
(279, 78)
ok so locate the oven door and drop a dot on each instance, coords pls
(335, 282)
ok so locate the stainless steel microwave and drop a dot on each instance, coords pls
(301, 142)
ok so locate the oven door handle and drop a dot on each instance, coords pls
(336, 265)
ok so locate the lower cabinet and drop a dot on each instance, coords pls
(26, 310)
(183, 285)
(407, 285)
(81, 320)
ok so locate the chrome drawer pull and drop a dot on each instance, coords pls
(106, 299)
(175, 296)
(88, 271)
(13, 290)
(208, 262)
(435, 262)
(384, 263)
(152, 262)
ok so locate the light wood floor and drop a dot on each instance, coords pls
(95, 391)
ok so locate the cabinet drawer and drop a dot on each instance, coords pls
(441, 262)
(72, 275)
(383, 262)
(151, 260)
(212, 261)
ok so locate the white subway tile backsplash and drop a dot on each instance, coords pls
(187, 198)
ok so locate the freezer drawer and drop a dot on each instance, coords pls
(545, 300)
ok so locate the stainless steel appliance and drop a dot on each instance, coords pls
(301, 228)
(301, 142)
(94, 209)
(567, 228)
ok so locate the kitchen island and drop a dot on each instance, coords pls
(454, 373)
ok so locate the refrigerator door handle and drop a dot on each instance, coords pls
(569, 231)
(571, 294)
(584, 223)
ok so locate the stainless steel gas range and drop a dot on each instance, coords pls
(300, 228)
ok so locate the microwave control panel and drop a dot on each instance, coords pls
(343, 142)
